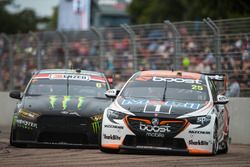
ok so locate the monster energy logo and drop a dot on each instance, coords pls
(52, 101)
(80, 102)
(66, 99)
(96, 126)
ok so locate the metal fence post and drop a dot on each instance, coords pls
(132, 36)
(7, 39)
(101, 45)
(177, 49)
(38, 54)
(216, 32)
(65, 48)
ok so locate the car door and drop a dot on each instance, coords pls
(220, 108)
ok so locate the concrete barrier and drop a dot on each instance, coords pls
(239, 109)
(7, 106)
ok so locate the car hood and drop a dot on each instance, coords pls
(175, 108)
(55, 105)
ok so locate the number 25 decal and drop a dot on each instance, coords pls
(197, 87)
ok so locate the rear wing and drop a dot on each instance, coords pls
(217, 77)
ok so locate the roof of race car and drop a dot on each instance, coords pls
(69, 71)
(167, 73)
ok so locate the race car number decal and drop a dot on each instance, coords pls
(98, 85)
(197, 87)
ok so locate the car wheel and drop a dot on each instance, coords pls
(225, 145)
(215, 140)
(105, 150)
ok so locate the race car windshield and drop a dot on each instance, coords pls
(176, 88)
(59, 87)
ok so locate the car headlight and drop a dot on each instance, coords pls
(112, 114)
(96, 117)
(200, 120)
(24, 113)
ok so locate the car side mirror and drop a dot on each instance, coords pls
(112, 93)
(221, 99)
(16, 94)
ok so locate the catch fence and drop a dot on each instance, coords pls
(203, 46)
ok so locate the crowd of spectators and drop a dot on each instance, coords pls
(196, 53)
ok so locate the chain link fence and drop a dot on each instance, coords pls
(200, 46)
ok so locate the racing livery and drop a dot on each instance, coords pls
(60, 107)
(167, 111)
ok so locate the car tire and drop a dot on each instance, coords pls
(215, 140)
(225, 145)
(105, 150)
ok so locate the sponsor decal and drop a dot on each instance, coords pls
(177, 80)
(80, 102)
(114, 126)
(198, 132)
(52, 101)
(25, 124)
(198, 142)
(156, 129)
(111, 137)
(187, 105)
(70, 77)
(66, 99)
(79, 77)
(134, 101)
(155, 134)
(96, 126)
(194, 106)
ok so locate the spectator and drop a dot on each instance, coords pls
(234, 87)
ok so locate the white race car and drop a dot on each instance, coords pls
(168, 111)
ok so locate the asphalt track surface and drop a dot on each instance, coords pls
(238, 156)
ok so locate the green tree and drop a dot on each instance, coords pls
(151, 11)
(54, 18)
(21, 22)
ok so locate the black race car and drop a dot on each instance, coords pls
(60, 107)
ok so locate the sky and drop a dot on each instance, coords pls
(41, 7)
